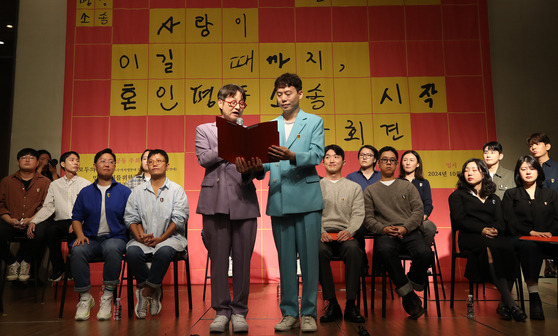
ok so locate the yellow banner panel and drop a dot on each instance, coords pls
(353, 131)
(351, 59)
(201, 96)
(314, 60)
(85, 4)
(268, 103)
(167, 25)
(312, 3)
(390, 95)
(344, 3)
(103, 18)
(276, 59)
(385, 2)
(318, 96)
(166, 97)
(352, 96)
(203, 25)
(240, 60)
(85, 18)
(428, 94)
(204, 61)
(329, 129)
(129, 61)
(100, 4)
(240, 25)
(422, 2)
(393, 130)
(166, 61)
(440, 167)
(252, 89)
(128, 97)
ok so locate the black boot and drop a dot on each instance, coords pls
(413, 305)
(535, 307)
(333, 312)
(352, 314)
(518, 314)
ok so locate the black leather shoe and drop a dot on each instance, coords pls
(518, 314)
(504, 312)
(413, 305)
(535, 307)
(352, 314)
(333, 312)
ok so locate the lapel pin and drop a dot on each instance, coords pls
(162, 199)
(108, 194)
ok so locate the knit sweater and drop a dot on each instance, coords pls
(344, 206)
(397, 204)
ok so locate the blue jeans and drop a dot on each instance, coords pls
(160, 261)
(111, 250)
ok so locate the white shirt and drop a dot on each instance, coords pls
(60, 198)
(288, 129)
(103, 224)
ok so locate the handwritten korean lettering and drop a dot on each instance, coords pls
(128, 93)
(390, 128)
(125, 61)
(274, 59)
(203, 23)
(199, 95)
(244, 60)
(311, 58)
(429, 88)
(168, 25)
(241, 20)
(103, 18)
(85, 18)
(168, 65)
(161, 91)
(385, 95)
(314, 96)
(353, 130)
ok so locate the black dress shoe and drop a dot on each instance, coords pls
(504, 312)
(518, 314)
(535, 307)
(352, 314)
(413, 305)
(333, 312)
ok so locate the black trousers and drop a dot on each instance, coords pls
(56, 231)
(27, 249)
(352, 256)
(531, 255)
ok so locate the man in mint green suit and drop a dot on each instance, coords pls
(295, 203)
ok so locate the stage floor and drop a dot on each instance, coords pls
(24, 317)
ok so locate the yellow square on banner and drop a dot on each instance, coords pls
(201, 96)
(204, 61)
(128, 97)
(240, 60)
(252, 89)
(393, 130)
(268, 117)
(343, 3)
(385, 2)
(129, 61)
(166, 61)
(427, 94)
(350, 59)
(268, 102)
(100, 4)
(167, 25)
(314, 59)
(422, 2)
(166, 97)
(352, 96)
(318, 95)
(103, 18)
(441, 167)
(85, 18)
(329, 129)
(85, 4)
(312, 3)
(353, 131)
(276, 59)
(203, 25)
(87, 168)
(176, 169)
(390, 95)
(240, 25)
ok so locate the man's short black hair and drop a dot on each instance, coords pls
(230, 90)
(538, 137)
(27, 151)
(372, 148)
(104, 151)
(493, 146)
(388, 149)
(288, 79)
(158, 151)
(64, 156)
(338, 150)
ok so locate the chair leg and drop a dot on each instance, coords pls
(436, 291)
(205, 278)
(130, 291)
(188, 282)
(364, 298)
(176, 305)
(439, 270)
(452, 281)
(64, 287)
(384, 294)
(2, 281)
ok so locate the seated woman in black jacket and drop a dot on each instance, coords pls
(477, 213)
(531, 210)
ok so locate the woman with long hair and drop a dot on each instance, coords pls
(530, 209)
(476, 212)
(142, 175)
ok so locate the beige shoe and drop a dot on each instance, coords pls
(220, 324)
(13, 271)
(287, 323)
(24, 271)
(84, 308)
(308, 324)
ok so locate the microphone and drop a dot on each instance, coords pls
(240, 121)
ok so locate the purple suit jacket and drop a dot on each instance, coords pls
(223, 189)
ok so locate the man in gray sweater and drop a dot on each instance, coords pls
(394, 212)
(341, 218)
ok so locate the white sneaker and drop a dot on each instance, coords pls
(308, 324)
(230, 272)
(298, 271)
(220, 324)
(84, 308)
(142, 303)
(155, 307)
(105, 310)
(287, 323)
(239, 324)
(13, 271)
(24, 271)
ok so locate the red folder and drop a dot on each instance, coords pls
(247, 142)
(551, 240)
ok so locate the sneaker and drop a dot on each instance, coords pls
(308, 324)
(155, 307)
(239, 324)
(56, 276)
(287, 323)
(84, 308)
(142, 303)
(219, 324)
(24, 271)
(13, 272)
(413, 305)
(230, 271)
(105, 311)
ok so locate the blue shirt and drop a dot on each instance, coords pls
(87, 209)
(359, 178)
(550, 168)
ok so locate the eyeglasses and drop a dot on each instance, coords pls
(366, 155)
(152, 162)
(103, 162)
(242, 104)
(386, 160)
(27, 157)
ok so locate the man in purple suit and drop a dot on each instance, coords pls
(229, 206)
